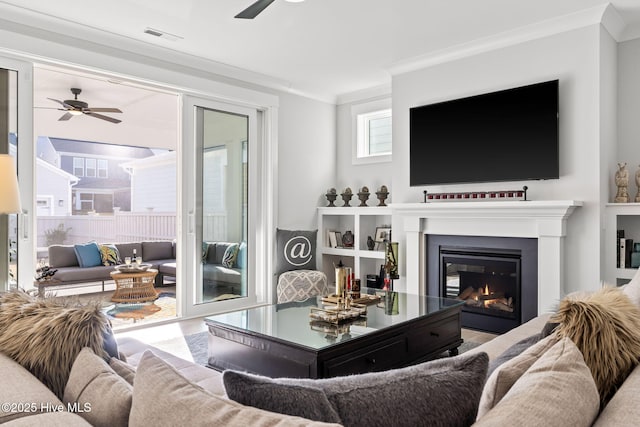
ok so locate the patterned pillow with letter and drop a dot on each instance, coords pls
(296, 250)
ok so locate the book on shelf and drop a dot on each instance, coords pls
(333, 241)
(619, 235)
(626, 247)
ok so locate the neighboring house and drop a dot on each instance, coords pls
(102, 184)
(54, 187)
(153, 183)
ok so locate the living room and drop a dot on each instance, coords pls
(592, 49)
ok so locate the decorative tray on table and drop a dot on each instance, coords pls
(335, 315)
(132, 268)
(364, 299)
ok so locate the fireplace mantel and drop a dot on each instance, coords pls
(544, 220)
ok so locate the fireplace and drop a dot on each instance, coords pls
(496, 277)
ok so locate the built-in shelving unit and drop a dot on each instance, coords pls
(619, 216)
(362, 222)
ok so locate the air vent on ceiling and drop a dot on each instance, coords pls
(163, 34)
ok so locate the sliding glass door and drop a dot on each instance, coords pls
(220, 156)
(16, 249)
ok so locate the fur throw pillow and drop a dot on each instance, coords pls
(46, 335)
(605, 326)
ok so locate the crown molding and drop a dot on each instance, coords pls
(368, 94)
(605, 14)
(32, 24)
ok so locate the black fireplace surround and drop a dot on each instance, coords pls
(496, 276)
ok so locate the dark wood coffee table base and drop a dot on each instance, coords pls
(395, 346)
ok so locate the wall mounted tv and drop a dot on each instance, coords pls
(509, 135)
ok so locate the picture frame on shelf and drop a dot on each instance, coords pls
(383, 234)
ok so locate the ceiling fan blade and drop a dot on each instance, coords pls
(255, 9)
(65, 116)
(100, 116)
(62, 103)
(103, 110)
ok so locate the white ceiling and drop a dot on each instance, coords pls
(323, 48)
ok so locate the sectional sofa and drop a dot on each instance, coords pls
(538, 377)
(160, 254)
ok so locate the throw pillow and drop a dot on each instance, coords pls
(230, 255)
(110, 255)
(161, 396)
(126, 371)
(556, 391)
(205, 251)
(296, 250)
(100, 395)
(241, 260)
(88, 254)
(605, 327)
(377, 398)
(632, 289)
(46, 335)
(506, 375)
(513, 351)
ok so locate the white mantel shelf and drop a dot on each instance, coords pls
(502, 209)
(544, 220)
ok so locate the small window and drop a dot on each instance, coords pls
(78, 166)
(372, 132)
(103, 171)
(90, 168)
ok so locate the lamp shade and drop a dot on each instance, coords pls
(9, 193)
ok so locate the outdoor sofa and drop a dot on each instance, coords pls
(160, 254)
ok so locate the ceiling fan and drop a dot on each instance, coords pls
(257, 7)
(75, 107)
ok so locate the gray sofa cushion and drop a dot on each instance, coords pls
(402, 397)
(126, 249)
(215, 252)
(168, 268)
(218, 273)
(62, 256)
(156, 250)
(77, 274)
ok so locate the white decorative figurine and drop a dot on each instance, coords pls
(622, 182)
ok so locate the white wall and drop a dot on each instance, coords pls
(154, 187)
(306, 159)
(628, 149)
(574, 58)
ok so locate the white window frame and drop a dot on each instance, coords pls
(103, 165)
(90, 168)
(78, 161)
(361, 114)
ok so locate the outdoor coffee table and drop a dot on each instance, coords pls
(282, 341)
(134, 287)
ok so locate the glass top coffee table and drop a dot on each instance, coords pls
(284, 341)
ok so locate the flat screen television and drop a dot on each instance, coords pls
(509, 135)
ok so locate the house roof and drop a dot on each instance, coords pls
(101, 149)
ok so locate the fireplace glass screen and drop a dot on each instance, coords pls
(488, 283)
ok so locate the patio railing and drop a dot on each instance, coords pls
(122, 227)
